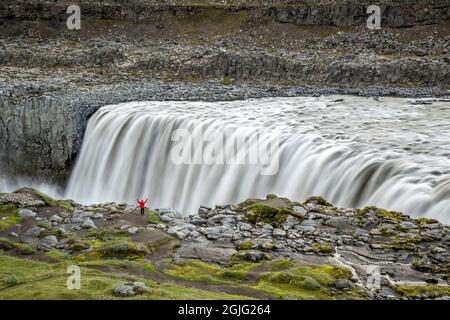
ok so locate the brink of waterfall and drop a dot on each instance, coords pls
(353, 151)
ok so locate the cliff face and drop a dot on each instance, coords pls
(52, 79)
(40, 136)
(319, 12)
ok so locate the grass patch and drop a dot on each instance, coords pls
(25, 279)
(52, 202)
(152, 217)
(323, 247)
(246, 245)
(7, 222)
(203, 272)
(306, 282)
(117, 248)
(380, 213)
(260, 212)
(21, 248)
(8, 216)
(426, 221)
(9, 280)
(121, 248)
(281, 264)
(194, 271)
(426, 292)
(149, 267)
(58, 255)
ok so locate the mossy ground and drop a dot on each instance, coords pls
(109, 256)
(200, 271)
(283, 279)
(23, 278)
(52, 202)
(26, 279)
(426, 292)
(153, 216)
(8, 216)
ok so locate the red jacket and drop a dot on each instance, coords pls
(142, 202)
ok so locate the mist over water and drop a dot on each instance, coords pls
(354, 152)
(10, 184)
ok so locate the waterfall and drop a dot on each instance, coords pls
(352, 151)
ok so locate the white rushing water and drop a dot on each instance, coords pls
(354, 152)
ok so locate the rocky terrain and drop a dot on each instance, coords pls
(52, 79)
(269, 248)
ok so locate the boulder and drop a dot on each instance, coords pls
(50, 241)
(124, 290)
(55, 218)
(133, 230)
(33, 232)
(26, 213)
(88, 224)
(131, 289)
(168, 215)
(219, 252)
(343, 284)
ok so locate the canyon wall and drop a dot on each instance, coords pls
(52, 79)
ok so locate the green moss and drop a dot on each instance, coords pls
(24, 249)
(281, 264)
(194, 271)
(426, 221)
(246, 204)
(149, 267)
(153, 217)
(380, 213)
(58, 233)
(52, 202)
(48, 200)
(426, 292)
(44, 224)
(8, 216)
(9, 222)
(308, 282)
(232, 274)
(8, 209)
(383, 213)
(20, 248)
(260, 212)
(318, 200)
(422, 266)
(323, 247)
(226, 80)
(294, 280)
(238, 271)
(58, 255)
(38, 280)
(78, 245)
(246, 245)
(9, 280)
(339, 273)
(399, 245)
(99, 233)
(65, 204)
(204, 272)
(122, 248)
(245, 256)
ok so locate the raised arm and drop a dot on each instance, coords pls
(146, 200)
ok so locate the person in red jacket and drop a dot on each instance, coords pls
(142, 205)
